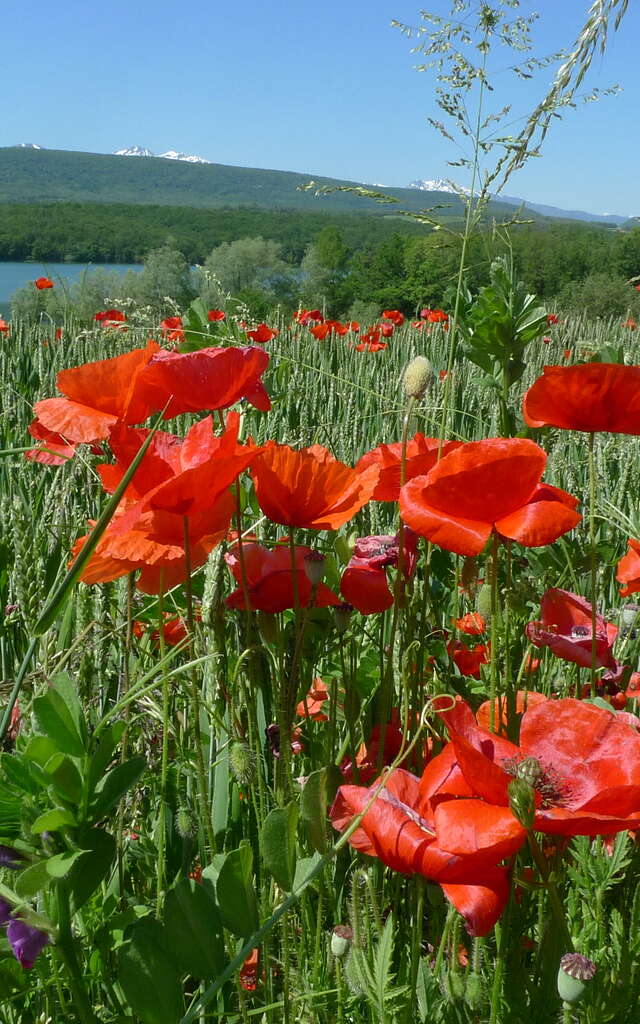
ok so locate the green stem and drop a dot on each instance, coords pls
(164, 765)
(66, 948)
(594, 569)
(203, 789)
(554, 897)
(493, 693)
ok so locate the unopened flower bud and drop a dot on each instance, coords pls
(522, 801)
(314, 567)
(268, 626)
(417, 377)
(186, 827)
(474, 991)
(242, 763)
(483, 601)
(341, 939)
(342, 614)
(574, 974)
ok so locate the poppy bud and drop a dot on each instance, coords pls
(185, 825)
(574, 974)
(314, 567)
(242, 763)
(417, 377)
(483, 601)
(522, 801)
(342, 614)
(474, 991)
(629, 614)
(341, 939)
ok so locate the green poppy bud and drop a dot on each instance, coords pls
(341, 939)
(574, 974)
(242, 763)
(417, 377)
(522, 801)
(483, 601)
(342, 614)
(314, 567)
(474, 991)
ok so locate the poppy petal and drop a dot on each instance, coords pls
(449, 531)
(538, 523)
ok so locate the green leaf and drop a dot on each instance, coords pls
(114, 785)
(317, 793)
(64, 685)
(39, 750)
(60, 865)
(56, 721)
(194, 929)
(148, 976)
(53, 821)
(236, 894)
(18, 772)
(278, 844)
(33, 879)
(109, 739)
(65, 777)
(93, 864)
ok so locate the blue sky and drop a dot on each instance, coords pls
(325, 89)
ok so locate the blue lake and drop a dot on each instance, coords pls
(15, 275)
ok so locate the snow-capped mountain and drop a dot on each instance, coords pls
(171, 154)
(437, 185)
(27, 145)
(134, 151)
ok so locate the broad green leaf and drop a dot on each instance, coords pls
(18, 772)
(53, 821)
(114, 785)
(94, 861)
(278, 844)
(55, 720)
(236, 893)
(109, 740)
(60, 865)
(317, 793)
(194, 929)
(148, 975)
(33, 879)
(65, 777)
(39, 750)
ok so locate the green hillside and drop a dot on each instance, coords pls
(31, 176)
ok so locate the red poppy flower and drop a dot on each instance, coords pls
(171, 327)
(364, 582)
(309, 488)
(262, 334)
(435, 316)
(443, 374)
(58, 333)
(308, 316)
(386, 330)
(42, 283)
(269, 580)
(472, 624)
(468, 659)
(422, 455)
(215, 315)
(418, 325)
(353, 326)
(370, 346)
(565, 628)
(4, 326)
(311, 706)
(484, 486)
(631, 324)
(211, 378)
(525, 699)
(108, 317)
(189, 484)
(99, 394)
(55, 450)
(582, 763)
(552, 318)
(628, 571)
(394, 315)
(399, 829)
(249, 971)
(588, 397)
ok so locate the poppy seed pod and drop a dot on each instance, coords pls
(483, 601)
(522, 801)
(341, 939)
(314, 567)
(242, 763)
(417, 377)
(574, 974)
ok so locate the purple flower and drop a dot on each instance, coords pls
(26, 942)
(10, 858)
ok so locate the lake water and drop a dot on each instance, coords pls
(15, 275)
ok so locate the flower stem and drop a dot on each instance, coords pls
(164, 765)
(66, 948)
(592, 554)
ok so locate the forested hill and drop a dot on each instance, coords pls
(47, 175)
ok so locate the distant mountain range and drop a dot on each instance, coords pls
(29, 174)
(443, 185)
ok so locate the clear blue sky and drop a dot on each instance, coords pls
(322, 88)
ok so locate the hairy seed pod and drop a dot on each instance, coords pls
(417, 377)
